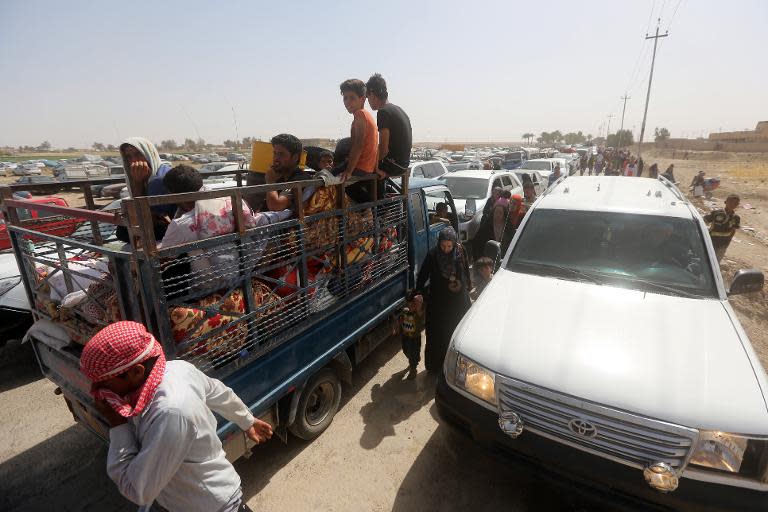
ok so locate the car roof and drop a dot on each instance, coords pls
(476, 173)
(645, 196)
(415, 183)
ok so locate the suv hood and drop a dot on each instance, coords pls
(671, 358)
(15, 297)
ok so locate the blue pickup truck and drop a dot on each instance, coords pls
(283, 316)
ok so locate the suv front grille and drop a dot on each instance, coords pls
(619, 436)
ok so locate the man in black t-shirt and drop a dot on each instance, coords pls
(395, 136)
(285, 168)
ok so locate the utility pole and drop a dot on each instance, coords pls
(608, 131)
(623, 111)
(650, 81)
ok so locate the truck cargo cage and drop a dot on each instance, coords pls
(220, 302)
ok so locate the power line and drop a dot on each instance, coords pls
(650, 81)
(650, 17)
(673, 14)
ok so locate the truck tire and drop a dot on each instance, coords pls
(317, 405)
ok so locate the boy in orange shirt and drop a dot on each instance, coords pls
(365, 139)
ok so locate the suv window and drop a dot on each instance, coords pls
(644, 252)
(417, 171)
(507, 183)
(496, 183)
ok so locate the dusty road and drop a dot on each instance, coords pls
(384, 451)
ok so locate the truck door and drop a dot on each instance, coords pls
(419, 239)
(433, 197)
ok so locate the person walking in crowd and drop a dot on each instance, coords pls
(723, 224)
(412, 323)
(631, 169)
(162, 439)
(446, 270)
(554, 176)
(653, 171)
(670, 173)
(697, 184)
(395, 137)
(363, 153)
(482, 272)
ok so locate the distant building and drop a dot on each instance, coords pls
(759, 134)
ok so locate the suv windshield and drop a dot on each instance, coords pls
(537, 166)
(467, 188)
(643, 252)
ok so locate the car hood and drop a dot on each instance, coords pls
(672, 358)
(16, 297)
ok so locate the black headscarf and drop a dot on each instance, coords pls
(449, 264)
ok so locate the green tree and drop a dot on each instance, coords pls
(626, 139)
(574, 138)
(528, 136)
(200, 143)
(98, 146)
(190, 144)
(111, 147)
(44, 146)
(661, 134)
(168, 145)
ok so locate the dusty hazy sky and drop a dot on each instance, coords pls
(76, 72)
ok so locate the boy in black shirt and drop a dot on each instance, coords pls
(395, 136)
(723, 225)
(412, 323)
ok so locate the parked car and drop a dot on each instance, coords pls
(27, 170)
(432, 169)
(36, 180)
(471, 190)
(643, 380)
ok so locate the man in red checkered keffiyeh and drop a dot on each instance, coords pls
(126, 364)
(163, 440)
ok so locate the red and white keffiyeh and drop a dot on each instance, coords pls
(112, 351)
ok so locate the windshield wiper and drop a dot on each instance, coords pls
(583, 275)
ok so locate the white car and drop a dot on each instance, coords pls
(432, 169)
(605, 351)
(471, 190)
(545, 167)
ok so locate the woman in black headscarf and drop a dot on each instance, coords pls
(447, 297)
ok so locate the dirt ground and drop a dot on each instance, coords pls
(384, 451)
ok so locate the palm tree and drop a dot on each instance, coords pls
(528, 137)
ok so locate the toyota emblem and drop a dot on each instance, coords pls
(582, 427)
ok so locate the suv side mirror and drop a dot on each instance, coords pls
(746, 281)
(492, 249)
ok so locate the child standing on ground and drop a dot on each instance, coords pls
(723, 225)
(412, 323)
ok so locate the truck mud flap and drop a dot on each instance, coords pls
(374, 338)
(237, 444)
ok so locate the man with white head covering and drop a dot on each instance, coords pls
(144, 172)
(162, 442)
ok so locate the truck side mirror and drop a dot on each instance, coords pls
(492, 249)
(747, 281)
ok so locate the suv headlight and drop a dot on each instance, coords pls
(471, 377)
(731, 453)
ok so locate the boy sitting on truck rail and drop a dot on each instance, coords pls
(162, 440)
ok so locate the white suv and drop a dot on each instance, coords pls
(604, 349)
